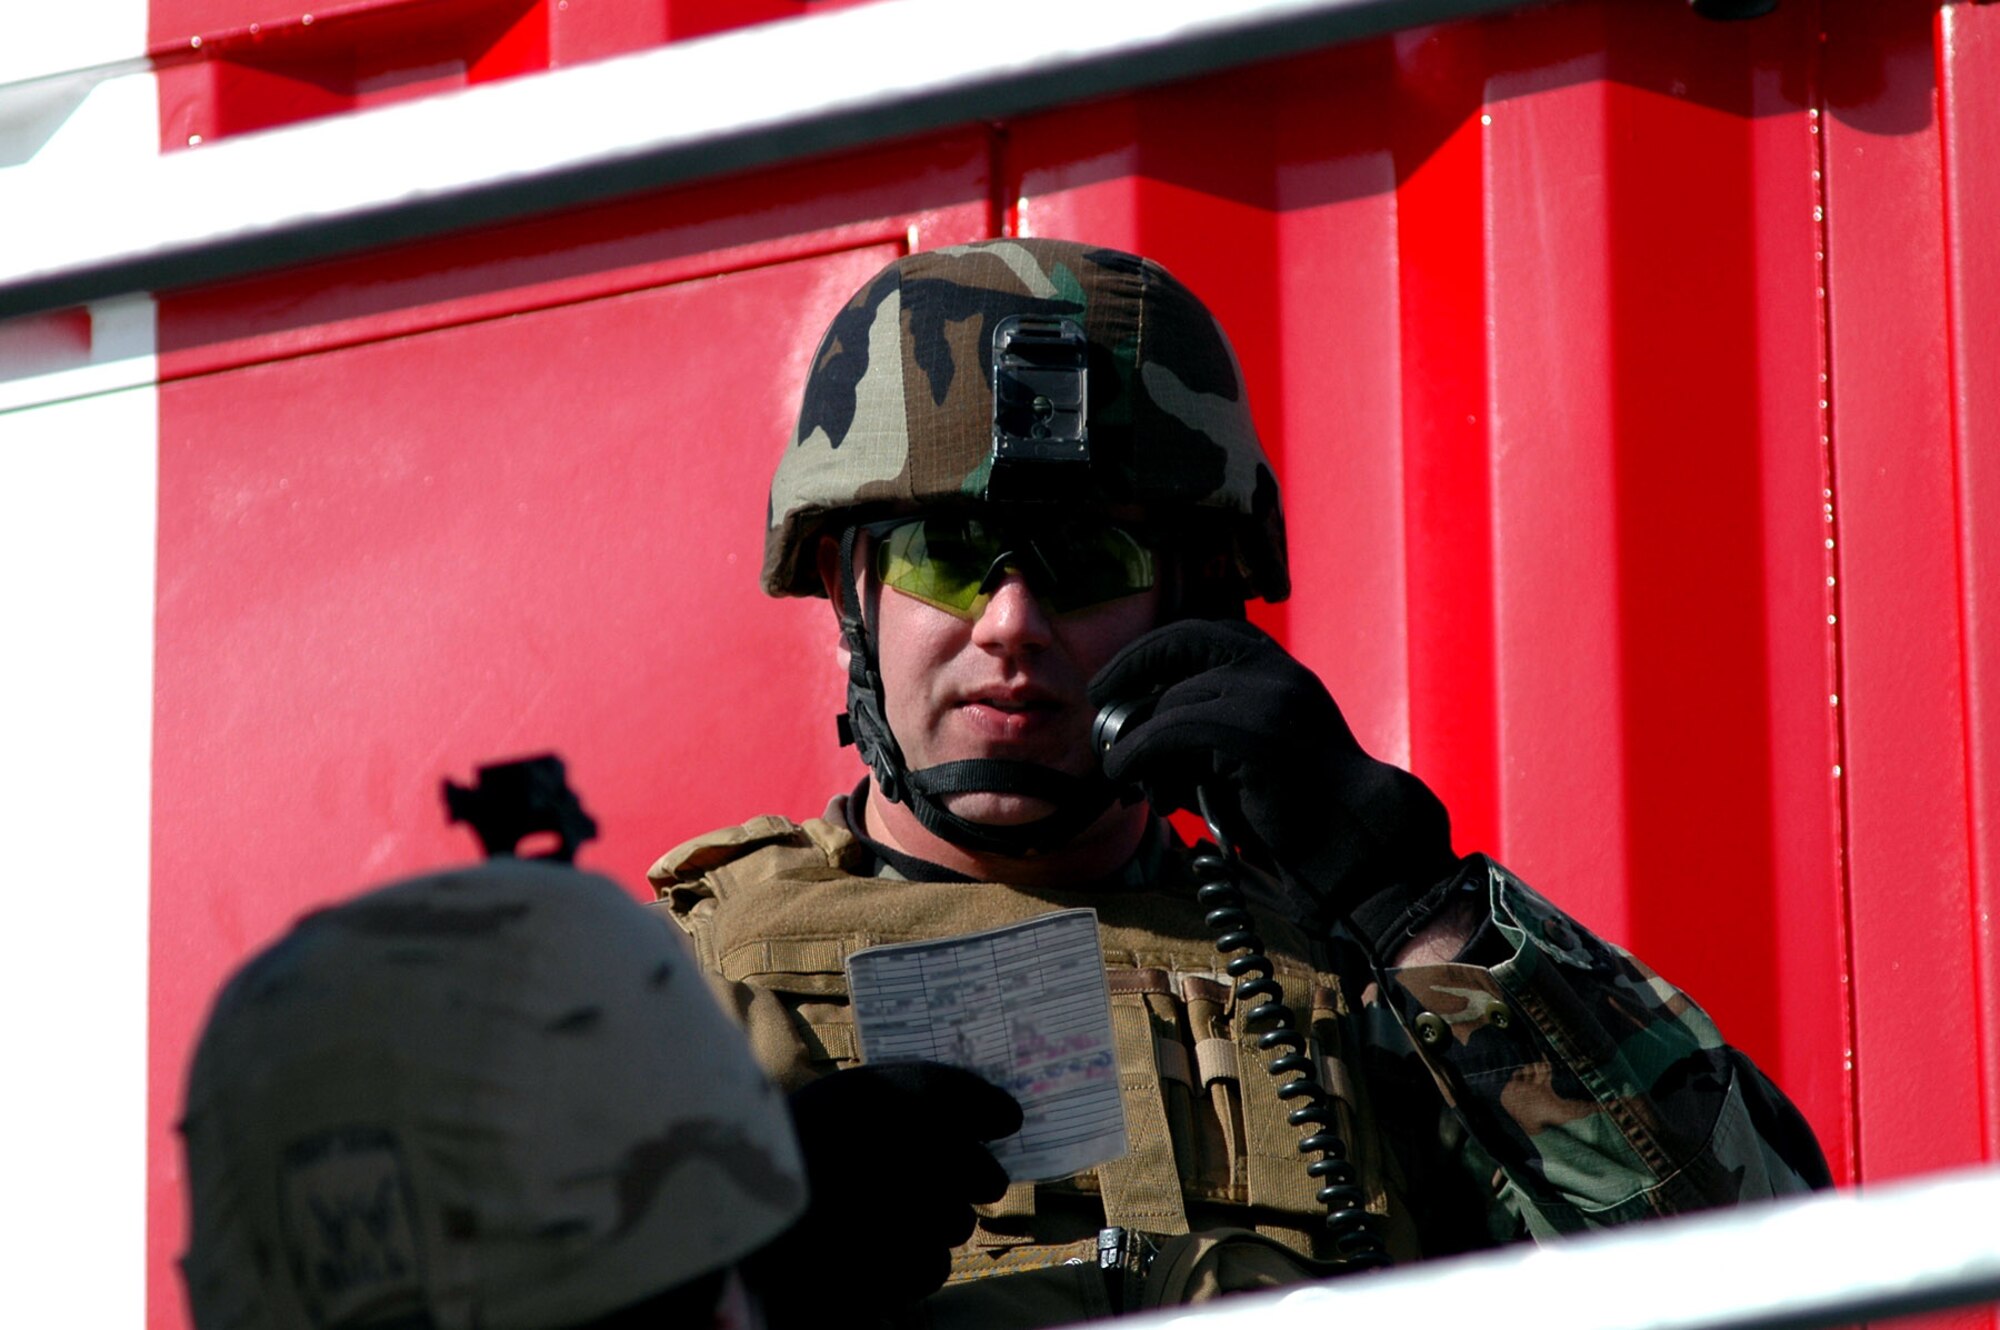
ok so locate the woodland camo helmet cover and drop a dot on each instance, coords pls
(897, 413)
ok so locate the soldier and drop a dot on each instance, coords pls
(1025, 476)
(503, 1098)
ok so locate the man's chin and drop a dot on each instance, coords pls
(999, 810)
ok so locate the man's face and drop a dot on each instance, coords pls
(1008, 683)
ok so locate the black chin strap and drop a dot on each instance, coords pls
(1079, 800)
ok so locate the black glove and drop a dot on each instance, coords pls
(894, 1165)
(1234, 712)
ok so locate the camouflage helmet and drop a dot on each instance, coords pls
(501, 1097)
(898, 410)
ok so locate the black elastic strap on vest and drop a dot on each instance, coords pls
(1079, 800)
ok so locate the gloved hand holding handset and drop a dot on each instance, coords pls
(1217, 704)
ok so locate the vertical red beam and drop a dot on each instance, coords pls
(1337, 249)
(1969, 116)
(1685, 384)
(1447, 497)
(1810, 983)
(1903, 698)
(1206, 210)
(1563, 761)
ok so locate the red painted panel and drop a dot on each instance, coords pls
(1655, 473)
(1811, 980)
(586, 30)
(1917, 1036)
(590, 29)
(698, 18)
(1556, 539)
(1690, 553)
(284, 68)
(1969, 104)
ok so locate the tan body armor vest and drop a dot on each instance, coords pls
(775, 908)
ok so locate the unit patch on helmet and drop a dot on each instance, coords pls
(346, 1208)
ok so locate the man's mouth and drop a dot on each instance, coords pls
(1014, 699)
(1012, 714)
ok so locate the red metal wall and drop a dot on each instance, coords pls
(1632, 377)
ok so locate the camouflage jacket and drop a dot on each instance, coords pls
(1564, 1087)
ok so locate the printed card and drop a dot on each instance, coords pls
(1026, 1007)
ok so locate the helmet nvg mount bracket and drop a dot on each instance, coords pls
(1041, 401)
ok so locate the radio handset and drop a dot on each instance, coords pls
(1357, 1242)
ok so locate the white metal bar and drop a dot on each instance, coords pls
(37, 41)
(690, 110)
(1821, 1261)
(78, 522)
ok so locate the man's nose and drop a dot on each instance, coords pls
(1013, 619)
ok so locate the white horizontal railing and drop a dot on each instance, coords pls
(754, 97)
(1828, 1260)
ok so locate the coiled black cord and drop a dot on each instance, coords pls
(1357, 1241)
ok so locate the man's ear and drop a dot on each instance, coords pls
(829, 569)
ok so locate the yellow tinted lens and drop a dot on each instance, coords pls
(935, 561)
(946, 561)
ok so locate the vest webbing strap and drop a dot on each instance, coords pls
(1142, 1190)
(1173, 1061)
(803, 956)
(1216, 1060)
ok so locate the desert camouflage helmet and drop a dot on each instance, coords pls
(897, 413)
(501, 1097)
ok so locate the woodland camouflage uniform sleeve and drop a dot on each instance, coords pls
(1601, 1091)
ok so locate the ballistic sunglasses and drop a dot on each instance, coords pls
(954, 562)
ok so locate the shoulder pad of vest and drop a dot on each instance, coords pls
(691, 859)
(818, 842)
